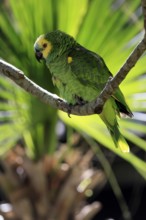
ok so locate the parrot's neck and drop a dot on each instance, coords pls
(58, 66)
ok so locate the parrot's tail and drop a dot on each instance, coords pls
(119, 140)
(108, 116)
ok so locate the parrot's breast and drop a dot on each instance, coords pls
(70, 87)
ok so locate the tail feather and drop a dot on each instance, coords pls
(119, 140)
(108, 116)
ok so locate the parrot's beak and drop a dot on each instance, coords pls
(38, 55)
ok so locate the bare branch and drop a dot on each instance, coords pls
(24, 82)
(143, 3)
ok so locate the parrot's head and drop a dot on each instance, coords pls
(53, 44)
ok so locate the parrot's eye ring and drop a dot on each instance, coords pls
(44, 45)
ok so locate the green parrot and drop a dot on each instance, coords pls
(80, 75)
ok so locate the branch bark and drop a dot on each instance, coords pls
(94, 107)
(143, 3)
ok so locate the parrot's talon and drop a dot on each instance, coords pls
(69, 110)
(68, 115)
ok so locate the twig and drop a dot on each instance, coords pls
(93, 107)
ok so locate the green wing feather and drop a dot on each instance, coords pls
(89, 68)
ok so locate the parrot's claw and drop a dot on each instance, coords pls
(69, 107)
(79, 101)
(69, 110)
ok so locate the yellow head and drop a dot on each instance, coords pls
(42, 48)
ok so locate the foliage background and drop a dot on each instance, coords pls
(111, 28)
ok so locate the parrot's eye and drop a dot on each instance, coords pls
(44, 45)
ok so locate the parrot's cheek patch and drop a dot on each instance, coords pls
(38, 56)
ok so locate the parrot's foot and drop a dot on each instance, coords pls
(69, 110)
(69, 106)
(79, 100)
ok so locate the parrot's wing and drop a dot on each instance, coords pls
(121, 103)
(89, 68)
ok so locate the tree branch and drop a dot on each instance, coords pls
(93, 107)
(143, 3)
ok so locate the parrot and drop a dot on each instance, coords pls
(80, 75)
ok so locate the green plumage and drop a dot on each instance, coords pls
(80, 76)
